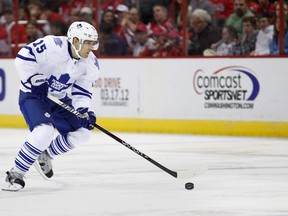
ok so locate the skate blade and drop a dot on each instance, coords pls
(39, 170)
(11, 187)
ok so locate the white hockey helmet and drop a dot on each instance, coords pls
(83, 31)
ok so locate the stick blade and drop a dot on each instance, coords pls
(192, 173)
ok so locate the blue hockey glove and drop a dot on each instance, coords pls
(39, 86)
(89, 120)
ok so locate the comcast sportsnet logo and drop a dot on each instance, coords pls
(232, 87)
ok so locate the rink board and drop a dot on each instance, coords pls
(226, 96)
(233, 128)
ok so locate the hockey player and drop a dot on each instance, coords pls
(64, 67)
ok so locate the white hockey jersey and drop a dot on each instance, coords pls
(52, 57)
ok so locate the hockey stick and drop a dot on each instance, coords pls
(178, 175)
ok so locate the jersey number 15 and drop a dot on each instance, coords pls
(40, 46)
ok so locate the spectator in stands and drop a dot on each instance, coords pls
(86, 14)
(240, 11)
(146, 8)
(16, 34)
(274, 45)
(267, 7)
(254, 7)
(65, 8)
(73, 16)
(129, 27)
(160, 37)
(205, 5)
(4, 46)
(122, 13)
(143, 41)
(134, 19)
(58, 28)
(6, 5)
(262, 7)
(165, 44)
(222, 10)
(108, 16)
(203, 33)
(264, 37)
(173, 45)
(224, 47)
(23, 13)
(157, 49)
(247, 42)
(161, 20)
(110, 4)
(35, 10)
(33, 33)
(277, 8)
(111, 44)
(51, 16)
(160, 28)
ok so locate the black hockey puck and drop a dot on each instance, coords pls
(189, 185)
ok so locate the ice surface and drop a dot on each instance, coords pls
(246, 176)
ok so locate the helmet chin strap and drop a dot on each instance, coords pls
(77, 51)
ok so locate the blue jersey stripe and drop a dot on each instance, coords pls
(24, 84)
(81, 89)
(30, 51)
(25, 58)
(79, 93)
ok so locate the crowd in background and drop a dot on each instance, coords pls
(153, 28)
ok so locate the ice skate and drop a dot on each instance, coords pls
(44, 165)
(14, 181)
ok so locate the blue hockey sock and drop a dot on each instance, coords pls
(59, 145)
(26, 157)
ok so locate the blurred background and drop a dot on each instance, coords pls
(159, 28)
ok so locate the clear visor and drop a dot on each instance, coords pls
(91, 44)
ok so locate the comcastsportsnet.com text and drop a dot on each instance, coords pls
(209, 105)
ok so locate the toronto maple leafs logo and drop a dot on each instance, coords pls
(58, 41)
(59, 84)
